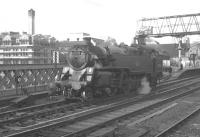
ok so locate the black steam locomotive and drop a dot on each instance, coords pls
(98, 70)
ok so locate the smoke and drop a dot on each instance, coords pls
(145, 86)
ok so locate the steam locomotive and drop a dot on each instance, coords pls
(99, 70)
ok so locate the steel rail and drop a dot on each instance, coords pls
(31, 108)
(41, 112)
(62, 102)
(174, 81)
(178, 123)
(173, 84)
(137, 112)
(98, 111)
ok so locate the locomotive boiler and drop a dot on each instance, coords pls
(106, 70)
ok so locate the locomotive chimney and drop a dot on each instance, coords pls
(31, 18)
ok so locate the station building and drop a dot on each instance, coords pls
(16, 48)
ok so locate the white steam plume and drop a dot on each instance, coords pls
(145, 86)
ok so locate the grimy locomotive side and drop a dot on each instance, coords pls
(96, 70)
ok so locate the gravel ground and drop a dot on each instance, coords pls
(158, 122)
(164, 120)
(192, 127)
(48, 100)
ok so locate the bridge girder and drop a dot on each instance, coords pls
(32, 77)
(175, 26)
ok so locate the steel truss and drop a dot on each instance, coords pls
(176, 26)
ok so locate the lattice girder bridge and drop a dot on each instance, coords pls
(14, 78)
(176, 26)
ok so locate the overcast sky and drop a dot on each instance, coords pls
(115, 18)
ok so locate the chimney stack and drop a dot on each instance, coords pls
(31, 18)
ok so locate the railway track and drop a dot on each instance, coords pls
(13, 111)
(46, 110)
(84, 122)
(174, 127)
(34, 113)
(6, 106)
(163, 87)
(174, 82)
